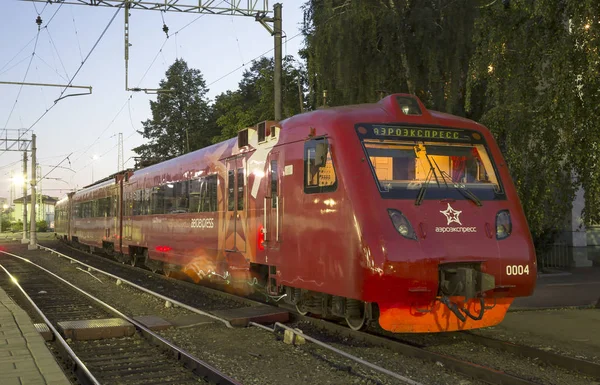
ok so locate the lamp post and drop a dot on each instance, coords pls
(94, 158)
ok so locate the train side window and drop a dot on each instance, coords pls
(212, 192)
(240, 186)
(194, 202)
(182, 195)
(169, 198)
(158, 200)
(230, 190)
(319, 172)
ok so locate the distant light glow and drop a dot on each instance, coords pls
(490, 69)
(18, 180)
(586, 27)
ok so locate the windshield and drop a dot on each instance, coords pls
(403, 166)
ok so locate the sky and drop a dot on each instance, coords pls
(79, 134)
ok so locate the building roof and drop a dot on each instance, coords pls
(45, 199)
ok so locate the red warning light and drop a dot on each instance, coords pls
(261, 238)
(163, 249)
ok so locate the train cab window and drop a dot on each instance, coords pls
(240, 187)
(319, 173)
(230, 190)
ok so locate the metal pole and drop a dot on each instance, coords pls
(278, 60)
(24, 240)
(33, 223)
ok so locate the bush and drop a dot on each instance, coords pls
(42, 226)
(16, 226)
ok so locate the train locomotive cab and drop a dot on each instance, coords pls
(445, 244)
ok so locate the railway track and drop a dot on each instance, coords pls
(425, 351)
(143, 358)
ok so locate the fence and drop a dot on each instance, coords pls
(559, 256)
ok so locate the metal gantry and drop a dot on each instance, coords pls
(13, 137)
(213, 7)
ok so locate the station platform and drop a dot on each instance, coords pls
(24, 357)
(578, 287)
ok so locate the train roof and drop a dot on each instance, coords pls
(386, 110)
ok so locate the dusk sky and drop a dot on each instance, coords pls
(88, 126)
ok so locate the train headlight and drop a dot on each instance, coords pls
(503, 224)
(401, 224)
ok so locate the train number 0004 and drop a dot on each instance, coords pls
(517, 269)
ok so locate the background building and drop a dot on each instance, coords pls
(43, 213)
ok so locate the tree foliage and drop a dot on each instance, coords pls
(253, 102)
(180, 120)
(528, 69)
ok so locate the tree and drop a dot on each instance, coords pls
(357, 50)
(526, 69)
(180, 118)
(253, 101)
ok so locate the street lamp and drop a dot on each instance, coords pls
(94, 158)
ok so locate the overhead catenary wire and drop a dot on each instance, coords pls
(74, 75)
(248, 62)
(56, 50)
(18, 53)
(158, 53)
(24, 78)
(76, 33)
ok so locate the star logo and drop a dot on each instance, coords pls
(452, 215)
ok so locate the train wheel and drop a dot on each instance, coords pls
(357, 315)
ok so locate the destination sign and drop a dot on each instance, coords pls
(387, 131)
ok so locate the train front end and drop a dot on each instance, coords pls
(453, 249)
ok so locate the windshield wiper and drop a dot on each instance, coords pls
(423, 189)
(462, 188)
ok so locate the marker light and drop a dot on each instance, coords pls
(401, 224)
(503, 224)
(260, 238)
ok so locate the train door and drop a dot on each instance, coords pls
(235, 217)
(127, 220)
(273, 203)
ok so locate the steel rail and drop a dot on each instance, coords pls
(463, 367)
(81, 371)
(208, 372)
(565, 362)
(165, 298)
(378, 368)
(487, 374)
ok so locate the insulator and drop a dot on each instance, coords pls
(166, 30)
(38, 21)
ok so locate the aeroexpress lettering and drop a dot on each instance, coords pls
(416, 133)
(452, 216)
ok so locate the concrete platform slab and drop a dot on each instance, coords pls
(24, 356)
(44, 331)
(259, 314)
(96, 329)
(153, 322)
(579, 287)
(191, 320)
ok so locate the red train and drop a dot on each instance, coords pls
(383, 211)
